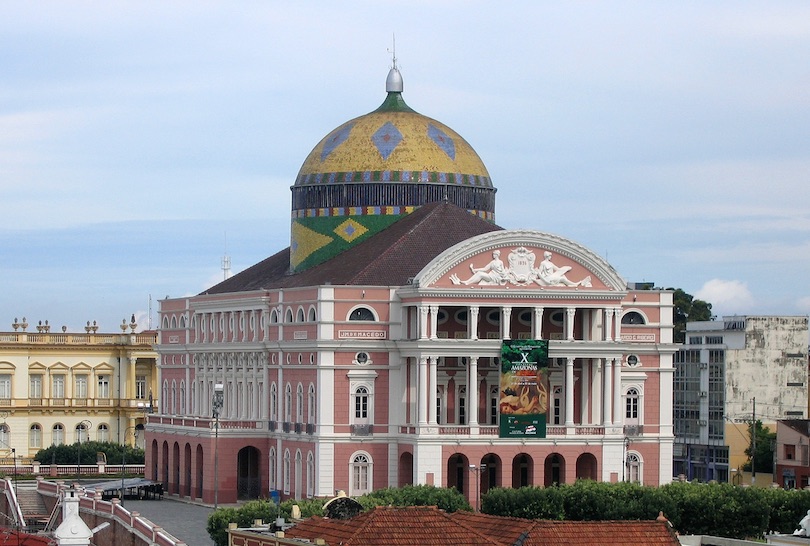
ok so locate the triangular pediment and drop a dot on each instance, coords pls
(522, 260)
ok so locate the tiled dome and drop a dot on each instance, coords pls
(382, 165)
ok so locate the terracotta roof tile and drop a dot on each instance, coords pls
(429, 526)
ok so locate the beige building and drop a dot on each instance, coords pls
(60, 387)
(729, 372)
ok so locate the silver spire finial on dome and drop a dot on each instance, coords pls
(393, 83)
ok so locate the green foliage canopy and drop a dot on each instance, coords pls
(67, 454)
(687, 309)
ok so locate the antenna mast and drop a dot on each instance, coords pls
(226, 261)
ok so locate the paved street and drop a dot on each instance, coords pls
(183, 520)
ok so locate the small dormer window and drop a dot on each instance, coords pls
(362, 313)
(633, 317)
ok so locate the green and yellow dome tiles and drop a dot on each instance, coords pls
(371, 171)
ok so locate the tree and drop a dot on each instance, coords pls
(687, 309)
(763, 456)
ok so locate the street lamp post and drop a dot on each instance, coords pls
(124, 457)
(477, 471)
(216, 406)
(79, 429)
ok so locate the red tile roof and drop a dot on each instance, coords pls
(389, 258)
(429, 526)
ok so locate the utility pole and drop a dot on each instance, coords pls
(754, 441)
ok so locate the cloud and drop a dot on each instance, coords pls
(726, 297)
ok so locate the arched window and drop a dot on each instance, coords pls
(633, 317)
(103, 433)
(311, 405)
(360, 473)
(362, 313)
(273, 402)
(361, 397)
(310, 475)
(299, 469)
(634, 467)
(312, 316)
(5, 436)
(631, 405)
(286, 472)
(82, 434)
(174, 397)
(299, 317)
(288, 403)
(35, 436)
(58, 434)
(289, 318)
(274, 317)
(272, 468)
(299, 404)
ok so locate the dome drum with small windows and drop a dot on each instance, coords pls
(374, 169)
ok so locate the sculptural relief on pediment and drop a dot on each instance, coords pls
(521, 269)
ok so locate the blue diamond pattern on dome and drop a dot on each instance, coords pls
(386, 138)
(442, 141)
(335, 139)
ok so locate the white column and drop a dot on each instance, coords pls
(607, 397)
(608, 324)
(585, 379)
(421, 395)
(432, 392)
(472, 390)
(434, 319)
(506, 321)
(569, 392)
(569, 323)
(596, 390)
(618, 410)
(423, 321)
(537, 325)
(618, 314)
(472, 321)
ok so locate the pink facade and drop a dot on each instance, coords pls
(360, 387)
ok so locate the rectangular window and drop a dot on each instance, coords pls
(790, 452)
(5, 385)
(103, 387)
(58, 387)
(81, 387)
(462, 411)
(140, 387)
(35, 386)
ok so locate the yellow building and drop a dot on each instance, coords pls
(62, 387)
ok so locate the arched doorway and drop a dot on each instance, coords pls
(457, 470)
(187, 473)
(554, 469)
(165, 466)
(586, 467)
(406, 469)
(491, 474)
(249, 484)
(200, 471)
(522, 471)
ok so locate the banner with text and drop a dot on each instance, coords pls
(524, 388)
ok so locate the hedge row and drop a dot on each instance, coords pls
(701, 509)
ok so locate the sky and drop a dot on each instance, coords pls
(140, 142)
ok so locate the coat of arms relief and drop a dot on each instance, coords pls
(521, 271)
